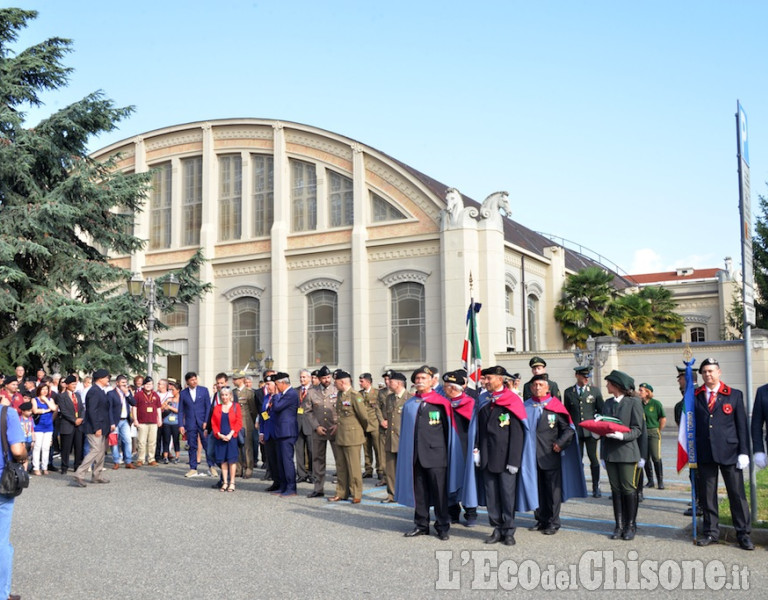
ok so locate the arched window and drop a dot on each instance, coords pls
(322, 327)
(408, 322)
(160, 208)
(698, 334)
(509, 302)
(340, 200)
(245, 330)
(533, 322)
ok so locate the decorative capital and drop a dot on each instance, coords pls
(319, 283)
(356, 148)
(405, 275)
(278, 125)
(243, 291)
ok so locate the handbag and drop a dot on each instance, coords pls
(15, 477)
(113, 438)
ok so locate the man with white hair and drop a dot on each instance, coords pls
(282, 411)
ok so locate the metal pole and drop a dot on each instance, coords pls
(150, 325)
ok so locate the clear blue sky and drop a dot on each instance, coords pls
(609, 123)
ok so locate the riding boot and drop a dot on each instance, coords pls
(630, 516)
(640, 497)
(659, 473)
(617, 515)
(648, 473)
(596, 482)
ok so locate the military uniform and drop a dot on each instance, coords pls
(584, 404)
(303, 448)
(350, 436)
(320, 410)
(654, 411)
(393, 409)
(247, 401)
(371, 448)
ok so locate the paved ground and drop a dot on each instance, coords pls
(152, 533)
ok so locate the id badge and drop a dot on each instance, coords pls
(265, 415)
(300, 411)
(150, 409)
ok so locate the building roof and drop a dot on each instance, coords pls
(688, 274)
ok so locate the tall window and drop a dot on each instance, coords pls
(323, 327)
(178, 316)
(263, 193)
(698, 334)
(381, 210)
(341, 199)
(245, 330)
(533, 322)
(408, 323)
(509, 300)
(230, 197)
(192, 200)
(160, 208)
(303, 196)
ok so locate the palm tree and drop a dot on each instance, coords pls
(649, 317)
(585, 309)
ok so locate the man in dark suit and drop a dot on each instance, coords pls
(245, 397)
(97, 426)
(267, 433)
(722, 443)
(303, 445)
(759, 420)
(71, 413)
(259, 397)
(120, 403)
(194, 409)
(539, 367)
(583, 402)
(285, 428)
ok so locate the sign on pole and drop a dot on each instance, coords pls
(745, 209)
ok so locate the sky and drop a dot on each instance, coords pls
(611, 124)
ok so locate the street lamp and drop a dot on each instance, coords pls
(147, 291)
(595, 355)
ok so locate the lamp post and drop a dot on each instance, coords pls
(595, 356)
(146, 290)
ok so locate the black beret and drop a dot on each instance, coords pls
(454, 377)
(280, 375)
(497, 370)
(271, 377)
(99, 374)
(25, 406)
(314, 373)
(387, 373)
(621, 379)
(540, 377)
(515, 376)
(323, 371)
(707, 362)
(397, 375)
(434, 370)
(341, 374)
(423, 369)
(680, 370)
(70, 379)
(367, 376)
(537, 360)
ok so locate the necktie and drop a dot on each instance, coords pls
(712, 400)
(74, 403)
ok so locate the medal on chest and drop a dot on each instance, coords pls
(551, 419)
(504, 420)
(434, 417)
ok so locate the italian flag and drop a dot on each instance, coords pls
(686, 435)
(470, 354)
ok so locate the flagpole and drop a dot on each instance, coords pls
(472, 366)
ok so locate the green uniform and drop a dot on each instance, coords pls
(350, 436)
(654, 412)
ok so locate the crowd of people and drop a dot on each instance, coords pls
(438, 444)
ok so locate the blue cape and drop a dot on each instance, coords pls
(405, 458)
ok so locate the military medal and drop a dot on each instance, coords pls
(434, 417)
(551, 418)
(504, 420)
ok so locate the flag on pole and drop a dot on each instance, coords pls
(470, 354)
(686, 435)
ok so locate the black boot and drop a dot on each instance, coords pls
(617, 515)
(659, 473)
(596, 482)
(640, 497)
(648, 473)
(629, 502)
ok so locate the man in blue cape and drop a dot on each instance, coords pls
(429, 465)
(560, 474)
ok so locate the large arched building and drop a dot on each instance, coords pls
(322, 250)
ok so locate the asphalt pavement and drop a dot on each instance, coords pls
(152, 533)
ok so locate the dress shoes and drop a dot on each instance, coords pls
(99, 480)
(14, 597)
(153, 463)
(315, 494)
(706, 540)
(77, 482)
(272, 488)
(745, 543)
(537, 527)
(471, 522)
(387, 501)
(689, 512)
(442, 535)
(129, 466)
(288, 494)
(509, 540)
(494, 538)
(367, 475)
(115, 467)
(336, 499)
(381, 483)
(549, 530)
(355, 500)
(416, 532)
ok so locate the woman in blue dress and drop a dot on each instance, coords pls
(226, 422)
